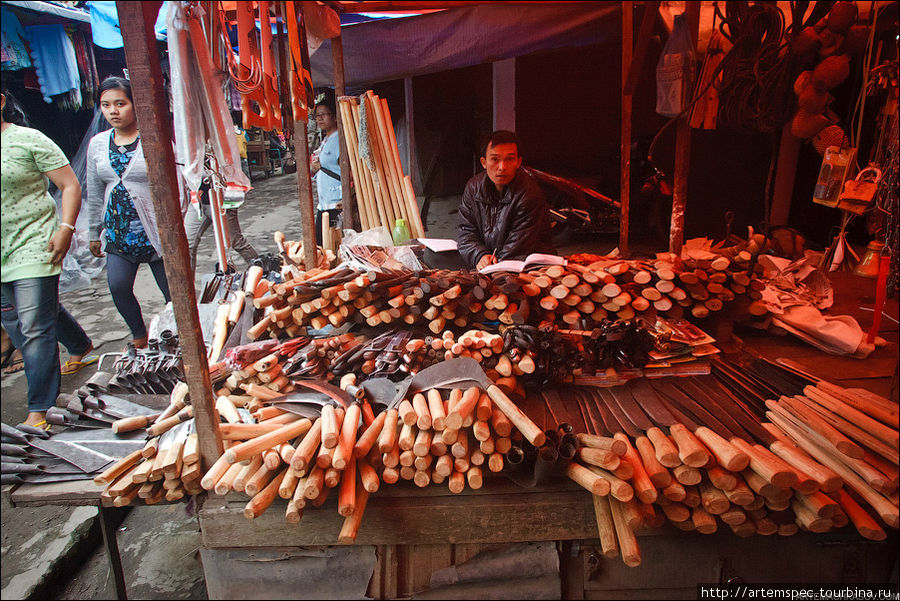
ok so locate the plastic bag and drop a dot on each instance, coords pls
(374, 249)
(675, 71)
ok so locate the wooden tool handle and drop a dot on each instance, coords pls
(631, 553)
(347, 492)
(522, 422)
(587, 479)
(602, 442)
(118, 468)
(330, 434)
(350, 528)
(656, 471)
(690, 449)
(666, 451)
(306, 448)
(343, 453)
(247, 449)
(218, 469)
(170, 422)
(605, 527)
(388, 437)
(261, 501)
(641, 482)
(436, 409)
(618, 488)
(130, 424)
(864, 523)
(763, 464)
(226, 410)
(370, 436)
(827, 479)
(725, 453)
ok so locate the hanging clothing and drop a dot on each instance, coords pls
(13, 53)
(54, 60)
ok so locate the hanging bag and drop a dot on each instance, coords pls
(675, 71)
(859, 194)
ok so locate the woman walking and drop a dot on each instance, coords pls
(33, 242)
(118, 201)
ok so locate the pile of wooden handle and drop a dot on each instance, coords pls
(573, 296)
(383, 194)
(426, 439)
(270, 376)
(167, 468)
(833, 461)
(503, 366)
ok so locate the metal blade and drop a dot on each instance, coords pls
(679, 398)
(463, 372)
(87, 460)
(649, 401)
(702, 397)
(630, 408)
(617, 414)
(679, 416)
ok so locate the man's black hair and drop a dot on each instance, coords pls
(327, 105)
(501, 136)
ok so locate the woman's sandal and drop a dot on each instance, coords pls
(16, 364)
(5, 356)
(72, 366)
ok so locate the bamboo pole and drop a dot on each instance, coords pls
(372, 189)
(355, 165)
(392, 170)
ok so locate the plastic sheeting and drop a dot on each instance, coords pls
(461, 37)
(79, 266)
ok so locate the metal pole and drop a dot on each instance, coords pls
(151, 104)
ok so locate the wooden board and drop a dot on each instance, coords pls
(411, 519)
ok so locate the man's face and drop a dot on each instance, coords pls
(501, 162)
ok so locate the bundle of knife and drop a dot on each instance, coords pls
(33, 456)
(697, 451)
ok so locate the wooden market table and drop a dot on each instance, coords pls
(417, 530)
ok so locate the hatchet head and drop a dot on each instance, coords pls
(463, 372)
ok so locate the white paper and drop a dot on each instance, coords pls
(438, 245)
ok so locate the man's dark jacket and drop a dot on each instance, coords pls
(512, 226)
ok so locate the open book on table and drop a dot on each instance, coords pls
(531, 261)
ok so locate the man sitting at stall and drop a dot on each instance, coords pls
(503, 213)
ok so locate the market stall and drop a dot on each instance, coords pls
(365, 399)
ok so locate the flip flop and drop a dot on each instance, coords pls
(71, 366)
(15, 365)
(5, 356)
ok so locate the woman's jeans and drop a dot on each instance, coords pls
(120, 274)
(36, 322)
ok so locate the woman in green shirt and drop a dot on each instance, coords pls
(33, 242)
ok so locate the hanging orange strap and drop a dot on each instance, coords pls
(269, 74)
(254, 106)
(302, 95)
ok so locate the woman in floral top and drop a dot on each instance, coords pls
(118, 201)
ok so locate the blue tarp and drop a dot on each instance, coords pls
(105, 24)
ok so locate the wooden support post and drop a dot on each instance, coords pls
(785, 174)
(151, 103)
(683, 149)
(351, 215)
(625, 145)
(304, 179)
(412, 161)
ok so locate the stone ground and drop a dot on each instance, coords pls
(53, 552)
